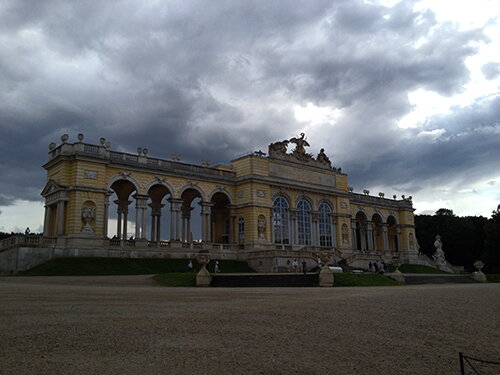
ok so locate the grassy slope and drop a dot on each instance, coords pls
(122, 266)
(176, 279)
(493, 278)
(416, 268)
(367, 279)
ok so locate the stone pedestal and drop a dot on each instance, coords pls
(479, 276)
(326, 276)
(203, 278)
(398, 276)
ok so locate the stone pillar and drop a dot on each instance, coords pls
(294, 237)
(385, 238)
(232, 225)
(46, 222)
(119, 225)
(315, 229)
(125, 222)
(369, 227)
(137, 221)
(398, 241)
(334, 231)
(106, 215)
(158, 227)
(362, 237)
(141, 204)
(354, 236)
(122, 218)
(175, 218)
(60, 218)
(206, 219)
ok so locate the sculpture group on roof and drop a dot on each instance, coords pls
(279, 150)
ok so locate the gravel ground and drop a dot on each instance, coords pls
(128, 325)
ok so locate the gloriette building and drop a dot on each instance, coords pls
(267, 209)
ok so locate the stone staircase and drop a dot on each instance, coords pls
(265, 280)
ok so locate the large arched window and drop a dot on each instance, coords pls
(281, 220)
(304, 223)
(325, 225)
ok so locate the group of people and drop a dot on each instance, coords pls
(378, 267)
(295, 266)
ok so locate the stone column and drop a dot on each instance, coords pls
(385, 238)
(354, 236)
(294, 237)
(46, 222)
(137, 221)
(362, 237)
(334, 231)
(315, 229)
(158, 227)
(398, 241)
(106, 215)
(60, 218)
(153, 222)
(232, 225)
(206, 210)
(369, 226)
(175, 218)
(141, 204)
(122, 211)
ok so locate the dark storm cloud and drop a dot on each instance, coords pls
(213, 80)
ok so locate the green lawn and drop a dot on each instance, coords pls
(123, 266)
(493, 278)
(176, 279)
(416, 268)
(364, 279)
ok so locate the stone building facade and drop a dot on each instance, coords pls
(267, 209)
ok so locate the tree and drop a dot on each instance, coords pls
(444, 212)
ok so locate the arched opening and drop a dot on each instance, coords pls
(121, 197)
(392, 234)
(361, 231)
(157, 201)
(192, 222)
(281, 221)
(378, 233)
(325, 225)
(304, 227)
(221, 226)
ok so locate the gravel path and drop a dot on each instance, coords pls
(128, 325)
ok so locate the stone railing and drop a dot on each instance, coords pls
(31, 240)
(102, 152)
(357, 198)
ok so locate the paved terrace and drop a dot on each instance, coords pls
(128, 325)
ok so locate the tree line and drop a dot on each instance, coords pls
(465, 239)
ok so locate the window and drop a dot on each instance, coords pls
(304, 223)
(281, 220)
(325, 225)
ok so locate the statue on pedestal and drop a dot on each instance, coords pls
(438, 256)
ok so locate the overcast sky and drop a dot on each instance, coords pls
(403, 96)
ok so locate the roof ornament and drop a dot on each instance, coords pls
(278, 150)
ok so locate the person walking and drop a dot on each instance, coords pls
(217, 267)
(190, 266)
(304, 266)
(295, 265)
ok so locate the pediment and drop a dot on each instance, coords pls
(51, 187)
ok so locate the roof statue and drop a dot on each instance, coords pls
(278, 150)
(299, 151)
